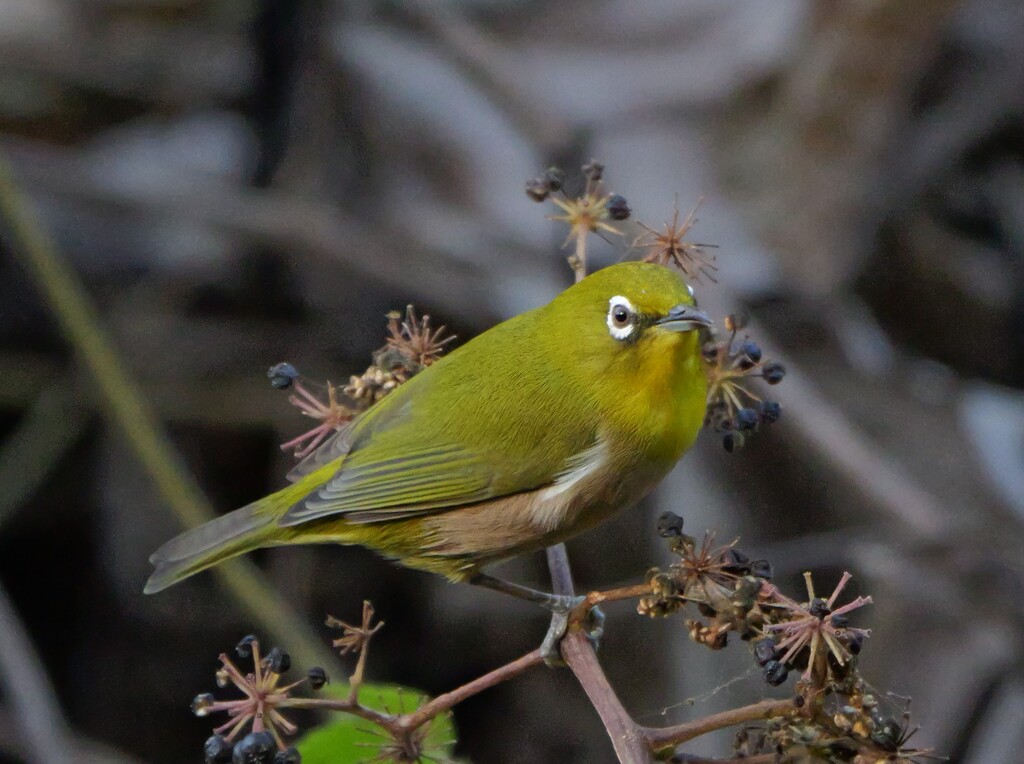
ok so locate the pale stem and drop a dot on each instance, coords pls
(579, 257)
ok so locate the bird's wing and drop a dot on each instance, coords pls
(385, 473)
(375, 485)
(453, 435)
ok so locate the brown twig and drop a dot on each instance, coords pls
(381, 719)
(357, 639)
(628, 738)
(404, 723)
(665, 737)
(633, 742)
(764, 758)
(444, 702)
(621, 593)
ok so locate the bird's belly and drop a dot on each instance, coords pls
(484, 533)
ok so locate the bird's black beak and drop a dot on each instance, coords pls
(684, 318)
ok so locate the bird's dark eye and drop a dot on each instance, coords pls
(621, 317)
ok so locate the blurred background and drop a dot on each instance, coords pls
(240, 182)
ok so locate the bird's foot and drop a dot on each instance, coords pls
(562, 609)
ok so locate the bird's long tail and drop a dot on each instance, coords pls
(197, 549)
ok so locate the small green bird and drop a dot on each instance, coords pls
(534, 431)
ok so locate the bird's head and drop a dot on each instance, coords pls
(633, 307)
(629, 335)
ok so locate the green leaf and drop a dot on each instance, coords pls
(348, 739)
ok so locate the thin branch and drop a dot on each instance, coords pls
(621, 593)
(681, 733)
(444, 702)
(79, 320)
(763, 758)
(346, 706)
(628, 739)
(578, 259)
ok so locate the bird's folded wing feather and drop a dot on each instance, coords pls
(375, 485)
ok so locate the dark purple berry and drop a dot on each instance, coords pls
(669, 524)
(201, 704)
(217, 750)
(736, 562)
(317, 677)
(773, 372)
(840, 621)
(818, 608)
(278, 660)
(281, 375)
(775, 673)
(710, 352)
(732, 441)
(746, 419)
(744, 597)
(244, 646)
(856, 644)
(765, 650)
(593, 170)
(537, 189)
(617, 207)
(554, 178)
(761, 569)
(749, 354)
(887, 735)
(770, 412)
(254, 748)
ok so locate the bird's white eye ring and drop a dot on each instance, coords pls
(621, 317)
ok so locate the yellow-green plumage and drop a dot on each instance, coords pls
(535, 430)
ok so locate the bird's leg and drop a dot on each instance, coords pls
(556, 603)
(560, 606)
